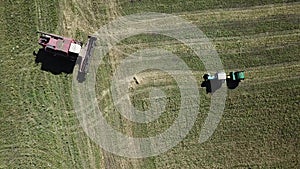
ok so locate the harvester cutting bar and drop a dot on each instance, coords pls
(85, 56)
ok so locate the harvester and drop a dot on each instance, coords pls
(61, 46)
(70, 49)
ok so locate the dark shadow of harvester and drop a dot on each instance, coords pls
(53, 63)
(214, 82)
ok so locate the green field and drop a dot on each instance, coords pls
(260, 126)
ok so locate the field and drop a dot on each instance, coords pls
(260, 125)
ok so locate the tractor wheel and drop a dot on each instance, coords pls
(205, 77)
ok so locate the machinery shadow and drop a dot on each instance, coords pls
(53, 63)
(232, 84)
(211, 85)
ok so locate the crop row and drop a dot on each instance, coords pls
(171, 6)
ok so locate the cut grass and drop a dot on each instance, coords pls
(241, 45)
(174, 6)
(259, 129)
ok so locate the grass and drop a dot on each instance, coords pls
(173, 6)
(259, 128)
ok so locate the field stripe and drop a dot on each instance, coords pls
(242, 14)
(254, 76)
(272, 39)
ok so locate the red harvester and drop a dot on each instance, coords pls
(70, 49)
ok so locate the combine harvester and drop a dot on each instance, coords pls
(70, 49)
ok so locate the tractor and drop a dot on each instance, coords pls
(237, 76)
(214, 82)
(233, 76)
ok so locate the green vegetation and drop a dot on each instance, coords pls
(174, 6)
(260, 126)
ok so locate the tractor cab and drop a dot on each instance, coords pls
(240, 75)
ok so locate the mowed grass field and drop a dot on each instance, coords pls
(260, 125)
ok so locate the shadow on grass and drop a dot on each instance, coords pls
(232, 84)
(213, 85)
(53, 63)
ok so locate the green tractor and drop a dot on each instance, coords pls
(233, 76)
(237, 76)
(214, 82)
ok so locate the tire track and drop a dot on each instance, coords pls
(80, 144)
(248, 43)
(110, 160)
(64, 136)
(42, 99)
(224, 45)
(71, 21)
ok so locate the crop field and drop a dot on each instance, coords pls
(261, 121)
